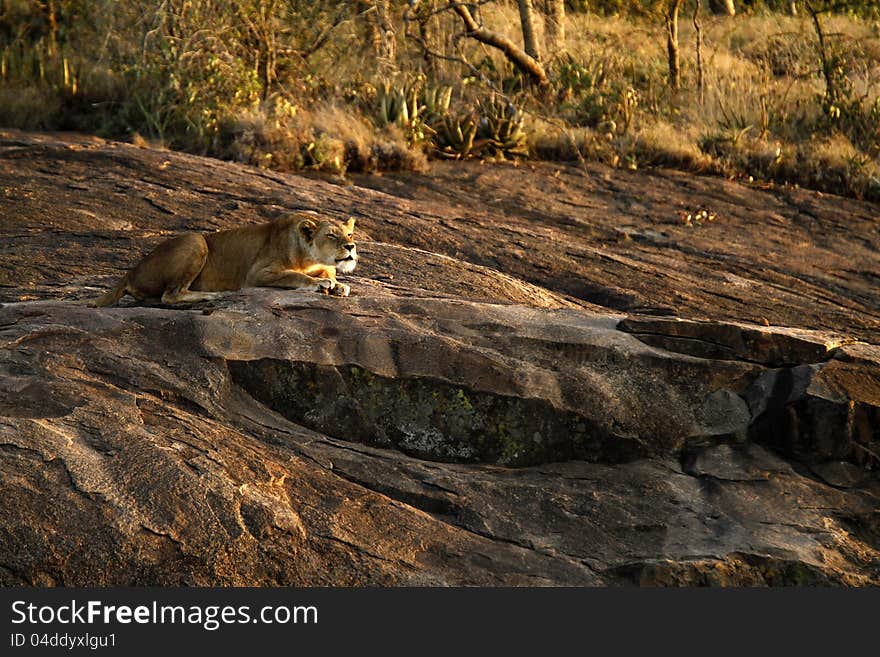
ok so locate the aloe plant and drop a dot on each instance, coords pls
(454, 136)
(435, 102)
(500, 127)
(402, 106)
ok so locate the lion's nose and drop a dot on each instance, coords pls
(349, 246)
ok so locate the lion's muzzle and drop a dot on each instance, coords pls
(347, 263)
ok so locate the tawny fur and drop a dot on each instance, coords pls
(296, 251)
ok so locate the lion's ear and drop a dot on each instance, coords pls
(307, 228)
(349, 225)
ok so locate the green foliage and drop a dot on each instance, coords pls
(454, 136)
(854, 116)
(436, 100)
(425, 114)
(413, 106)
(573, 79)
(861, 8)
(493, 126)
(595, 94)
(166, 77)
(500, 127)
(182, 100)
(401, 106)
(845, 109)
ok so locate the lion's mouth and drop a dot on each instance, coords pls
(346, 259)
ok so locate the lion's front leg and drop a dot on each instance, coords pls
(293, 280)
(338, 289)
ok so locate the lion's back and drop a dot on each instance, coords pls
(232, 255)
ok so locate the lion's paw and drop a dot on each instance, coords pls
(341, 290)
(324, 285)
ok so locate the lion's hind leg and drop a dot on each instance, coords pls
(111, 297)
(187, 296)
(171, 269)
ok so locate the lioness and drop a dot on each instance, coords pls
(295, 251)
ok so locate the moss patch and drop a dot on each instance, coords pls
(424, 417)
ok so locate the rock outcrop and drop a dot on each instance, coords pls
(465, 417)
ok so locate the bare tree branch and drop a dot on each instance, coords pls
(520, 59)
(414, 5)
(426, 50)
(324, 35)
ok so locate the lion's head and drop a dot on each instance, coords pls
(330, 243)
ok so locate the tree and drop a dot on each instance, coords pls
(722, 7)
(555, 25)
(379, 30)
(527, 20)
(831, 91)
(672, 43)
(698, 33)
(672, 49)
(385, 31)
(524, 62)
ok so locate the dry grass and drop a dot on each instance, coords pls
(762, 114)
(664, 144)
(326, 138)
(29, 108)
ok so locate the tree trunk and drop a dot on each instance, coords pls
(698, 33)
(385, 31)
(527, 18)
(524, 62)
(792, 8)
(672, 43)
(827, 67)
(722, 7)
(53, 28)
(555, 26)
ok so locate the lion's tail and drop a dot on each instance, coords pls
(112, 296)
